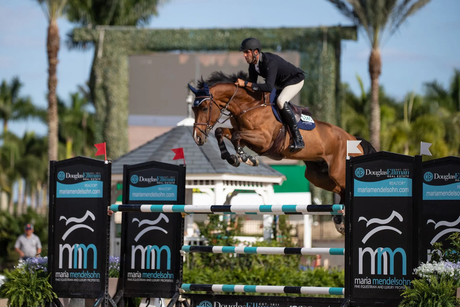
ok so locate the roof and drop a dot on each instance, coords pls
(198, 159)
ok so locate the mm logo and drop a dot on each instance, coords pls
(148, 255)
(382, 253)
(80, 255)
(359, 172)
(77, 252)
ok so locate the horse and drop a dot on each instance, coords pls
(255, 126)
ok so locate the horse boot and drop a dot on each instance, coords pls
(289, 118)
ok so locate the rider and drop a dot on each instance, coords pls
(278, 73)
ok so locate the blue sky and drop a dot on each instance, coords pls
(426, 48)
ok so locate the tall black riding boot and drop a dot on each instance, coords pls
(289, 118)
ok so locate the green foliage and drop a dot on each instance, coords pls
(435, 293)
(114, 266)
(209, 268)
(438, 288)
(451, 253)
(27, 287)
(265, 271)
(431, 117)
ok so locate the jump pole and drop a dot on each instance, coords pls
(262, 250)
(235, 209)
(263, 289)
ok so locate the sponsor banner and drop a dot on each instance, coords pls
(91, 189)
(399, 187)
(78, 228)
(261, 301)
(151, 242)
(440, 203)
(381, 212)
(147, 186)
(382, 180)
(446, 192)
(164, 192)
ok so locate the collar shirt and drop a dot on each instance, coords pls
(257, 64)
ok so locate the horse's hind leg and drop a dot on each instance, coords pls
(337, 170)
(224, 154)
(318, 174)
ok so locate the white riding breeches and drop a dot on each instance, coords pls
(288, 93)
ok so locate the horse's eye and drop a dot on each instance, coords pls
(205, 108)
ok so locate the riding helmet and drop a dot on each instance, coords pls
(250, 44)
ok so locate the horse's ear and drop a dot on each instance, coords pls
(194, 90)
(206, 88)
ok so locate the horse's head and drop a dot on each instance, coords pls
(212, 100)
(206, 111)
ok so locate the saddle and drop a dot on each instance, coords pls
(302, 114)
(304, 121)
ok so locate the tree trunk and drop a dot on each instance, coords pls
(21, 206)
(375, 66)
(52, 46)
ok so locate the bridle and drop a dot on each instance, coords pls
(223, 112)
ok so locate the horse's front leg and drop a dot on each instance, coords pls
(224, 154)
(242, 156)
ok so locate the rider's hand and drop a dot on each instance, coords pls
(240, 82)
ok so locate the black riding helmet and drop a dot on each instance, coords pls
(250, 44)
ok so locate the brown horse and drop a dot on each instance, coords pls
(255, 126)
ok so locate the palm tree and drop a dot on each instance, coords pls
(9, 157)
(377, 18)
(354, 109)
(92, 13)
(53, 10)
(445, 104)
(76, 125)
(33, 165)
(12, 106)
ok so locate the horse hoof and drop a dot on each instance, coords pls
(254, 161)
(234, 161)
(338, 223)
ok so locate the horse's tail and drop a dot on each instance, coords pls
(367, 146)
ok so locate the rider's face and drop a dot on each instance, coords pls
(250, 57)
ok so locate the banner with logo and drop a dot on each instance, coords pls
(78, 226)
(151, 242)
(199, 300)
(440, 202)
(380, 210)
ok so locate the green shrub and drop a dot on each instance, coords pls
(253, 269)
(28, 285)
(438, 279)
(438, 292)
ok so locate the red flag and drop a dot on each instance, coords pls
(101, 150)
(179, 153)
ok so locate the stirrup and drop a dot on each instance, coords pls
(296, 146)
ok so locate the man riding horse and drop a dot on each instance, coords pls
(279, 74)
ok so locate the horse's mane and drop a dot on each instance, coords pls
(219, 77)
